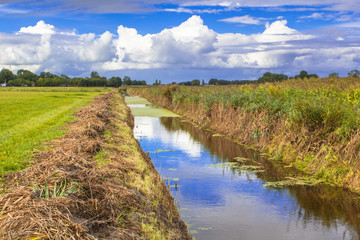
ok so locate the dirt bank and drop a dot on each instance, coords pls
(322, 158)
(93, 183)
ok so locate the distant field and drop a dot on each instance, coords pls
(30, 116)
(54, 89)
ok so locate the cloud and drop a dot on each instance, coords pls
(188, 49)
(43, 28)
(244, 20)
(8, 10)
(193, 11)
(44, 48)
(180, 45)
(313, 16)
(136, 6)
(40, 28)
(335, 5)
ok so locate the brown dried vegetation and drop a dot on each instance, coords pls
(68, 194)
(325, 157)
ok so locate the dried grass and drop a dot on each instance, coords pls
(100, 196)
(283, 140)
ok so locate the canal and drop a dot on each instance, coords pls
(224, 191)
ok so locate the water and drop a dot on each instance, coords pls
(222, 201)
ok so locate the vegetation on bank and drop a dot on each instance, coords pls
(93, 183)
(313, 124)
(30, 118)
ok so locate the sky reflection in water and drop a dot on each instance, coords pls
(222, 203)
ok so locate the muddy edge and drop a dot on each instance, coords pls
(93, 183)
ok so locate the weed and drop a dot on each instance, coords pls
(60, 189)
(256, 134)
(102, 158)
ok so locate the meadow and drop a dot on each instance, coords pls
(31, 116)
(312, 124)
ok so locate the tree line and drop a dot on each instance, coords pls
(47, 79)
(274, 77)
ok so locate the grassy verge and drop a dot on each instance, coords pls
(312, 124)
(28, 118)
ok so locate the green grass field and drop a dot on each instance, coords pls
(31, 116)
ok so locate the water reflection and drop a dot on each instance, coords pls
(223, 202)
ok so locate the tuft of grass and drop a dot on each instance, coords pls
(61, 188)
(102, 158)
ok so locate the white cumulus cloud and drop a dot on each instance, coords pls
(190, 47)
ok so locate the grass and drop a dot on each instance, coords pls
(29, 118)
(113, 182)
(330, 104)
(54, 89)
(62, 188)
(313, 124)
(142, 177)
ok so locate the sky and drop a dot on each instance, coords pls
(180, 40)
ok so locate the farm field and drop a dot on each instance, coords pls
(31, 116)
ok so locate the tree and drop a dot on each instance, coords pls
(272, 77)
(303, 74)
(47, 75)
(203, 83)
(213, 81)
(354, 73)
(42, 75)
(313, 75)
(115, 82)
(195, 82)
(27, 75)
(333, 75)
(127, 80)
(65, 77)
(94, 74)
(6, 75)
(18, 82)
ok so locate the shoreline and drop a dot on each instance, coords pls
(276, 138)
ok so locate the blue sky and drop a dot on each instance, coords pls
(180, 40)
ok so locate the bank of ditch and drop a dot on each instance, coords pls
(312, 125)
(93, 183)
